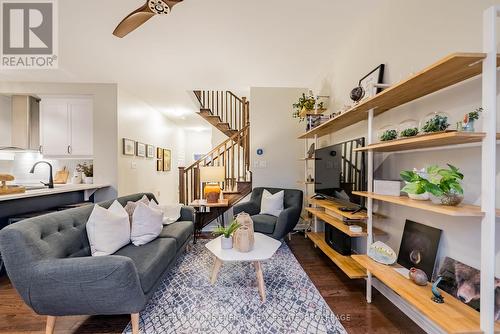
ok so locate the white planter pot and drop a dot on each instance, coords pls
(77, 178)
(88, 180)
(419, 197)
(226, 243)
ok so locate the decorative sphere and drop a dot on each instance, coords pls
(357, 94)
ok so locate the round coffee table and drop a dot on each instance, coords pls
(264, 249)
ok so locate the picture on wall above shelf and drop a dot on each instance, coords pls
(150, 151)
(141, 150)
(167, 160)
(128, 147)
(159, 153)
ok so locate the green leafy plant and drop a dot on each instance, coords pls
(87, 170)
(436, 124)
(473, 115)
(440, 181)
(410, 132)
(226, 231)
(305, 102)
(389, 135)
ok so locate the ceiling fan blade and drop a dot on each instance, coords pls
(133, 21)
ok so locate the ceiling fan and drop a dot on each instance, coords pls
(138, 17)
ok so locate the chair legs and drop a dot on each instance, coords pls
(135, 323)
(51, 323)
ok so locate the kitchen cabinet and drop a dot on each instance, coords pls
(67, 127)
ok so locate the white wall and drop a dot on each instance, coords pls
(105, 123)
(408, 36)
(139, 121)
(5, 120)
(273, 129)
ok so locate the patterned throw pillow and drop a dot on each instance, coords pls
(131, 206)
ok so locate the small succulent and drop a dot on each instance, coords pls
(410, 132)
(307, 102)
(436, 124)
(389, 135)
(227, 231)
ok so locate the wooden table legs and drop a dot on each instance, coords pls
(260, 280)
(51, 324)
(258, 271)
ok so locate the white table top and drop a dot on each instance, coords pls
(264, 249)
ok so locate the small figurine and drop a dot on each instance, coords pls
(419, 277)
(437, 297)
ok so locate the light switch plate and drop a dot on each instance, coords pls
(133, 165)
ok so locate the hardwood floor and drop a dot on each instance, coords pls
(344, 296)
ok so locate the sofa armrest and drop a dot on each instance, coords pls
(249, 207)
(287, 220)
(85, 286)
(187, 214)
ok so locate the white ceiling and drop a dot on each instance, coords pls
(210, 44)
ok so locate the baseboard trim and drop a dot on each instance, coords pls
(422, 321)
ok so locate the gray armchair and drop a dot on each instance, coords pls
(276, 227)
(49, 263)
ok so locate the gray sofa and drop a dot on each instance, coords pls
(276, 227)
(49, 263)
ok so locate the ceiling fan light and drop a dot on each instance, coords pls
(159, 7)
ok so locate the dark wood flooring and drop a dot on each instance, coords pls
(345, 297)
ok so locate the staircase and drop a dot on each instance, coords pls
(230, 114)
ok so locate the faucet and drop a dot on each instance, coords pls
(51, 180)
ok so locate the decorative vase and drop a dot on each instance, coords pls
(226, 243)
(243, 239)
(451, 199)
(469, 127)
(419, 277)
(420, 197)
(88, 180)
(77, 178)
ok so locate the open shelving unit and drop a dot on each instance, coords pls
(452, 316)
(346, 263)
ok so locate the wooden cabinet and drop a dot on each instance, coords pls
(67, 127)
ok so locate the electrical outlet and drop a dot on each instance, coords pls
(133, 165)
(263, 164)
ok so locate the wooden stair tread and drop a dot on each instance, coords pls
(350, 267)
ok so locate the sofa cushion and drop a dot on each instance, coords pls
(181, 231)
(151, 260)
(264, 223)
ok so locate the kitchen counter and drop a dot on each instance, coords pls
(58, 189)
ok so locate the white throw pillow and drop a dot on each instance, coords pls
(272, 204)
(171, 212)
(108, 229)
(147, 224)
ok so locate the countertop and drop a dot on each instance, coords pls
(58, 189)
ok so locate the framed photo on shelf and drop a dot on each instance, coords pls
(376, 76)
(167, 160)
(150, 151)
(128, 147)
(141, 149)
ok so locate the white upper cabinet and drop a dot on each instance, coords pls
(67, 127)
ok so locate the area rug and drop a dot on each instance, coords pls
(186, 302)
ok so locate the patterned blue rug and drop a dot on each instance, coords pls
(186, 302)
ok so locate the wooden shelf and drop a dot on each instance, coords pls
(447, 72)
(463, 210)
(339, 224)
(335, 205)
(350, 267)
(307, 182)
(452, 316)
(317, 112)
(308, 159)
(426, 141)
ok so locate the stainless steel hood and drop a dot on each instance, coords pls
(25, 124)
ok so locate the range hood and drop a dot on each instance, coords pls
(24, 124)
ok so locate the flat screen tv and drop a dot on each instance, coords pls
(339, 171)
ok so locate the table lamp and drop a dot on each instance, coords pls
(212, 176)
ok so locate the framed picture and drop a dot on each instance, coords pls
(159, 153)
(150, 151)
(167, 160)
(376, 76)
(141, 149)
(159, 165)
(419, 247)
(128, 147)
(464, 282)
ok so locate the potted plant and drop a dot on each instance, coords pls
(444, 184)
(387, 135)
(305, 104)
(415, 184)
(410, 132)
(470, 118)
(88, 172)
(227, 234)
(437, 123)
